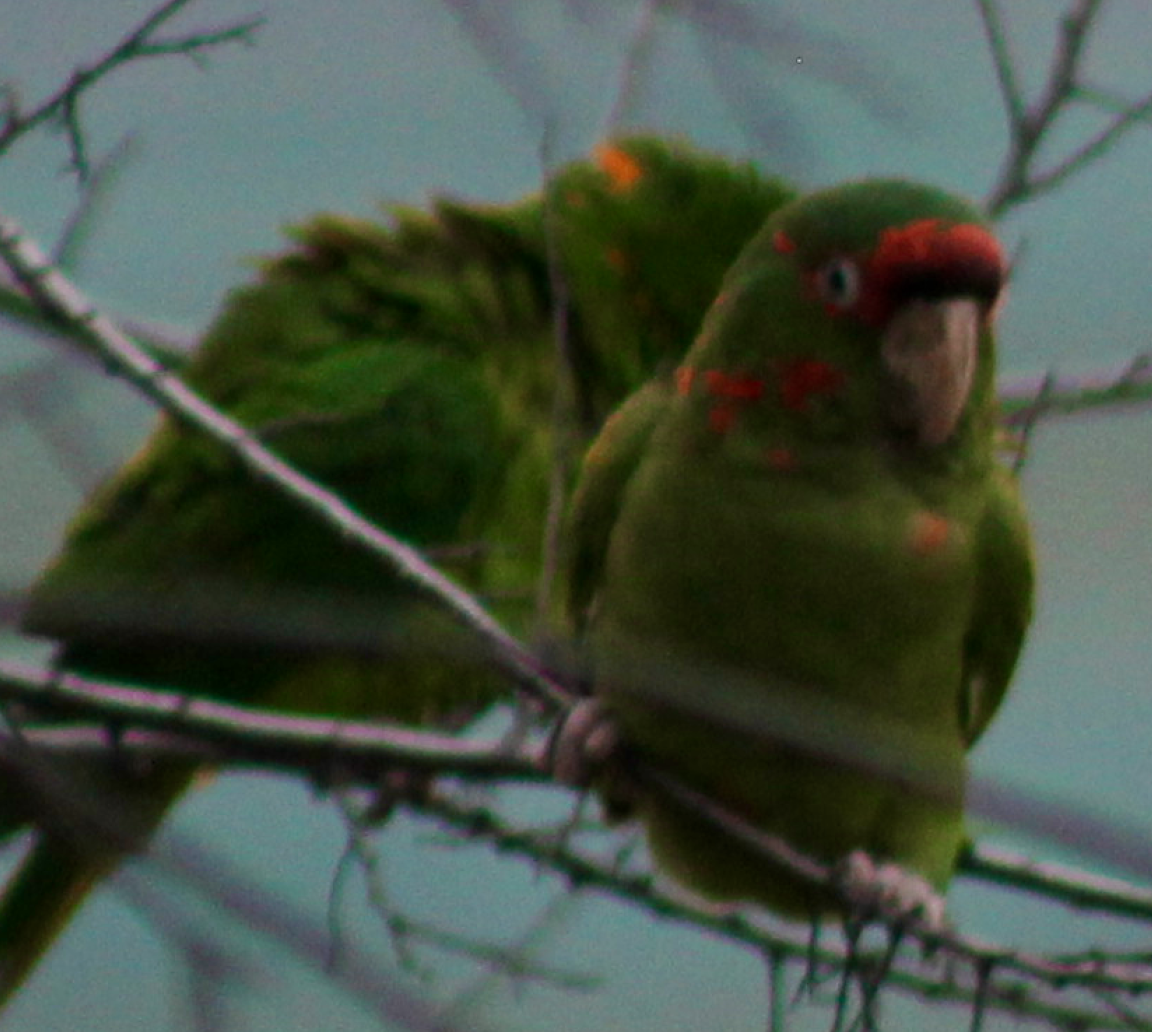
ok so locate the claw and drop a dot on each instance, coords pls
(890, 892)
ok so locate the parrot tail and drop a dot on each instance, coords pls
(39, 899)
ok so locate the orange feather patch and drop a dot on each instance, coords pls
(623, 170)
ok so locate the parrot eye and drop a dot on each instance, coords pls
(838, 283)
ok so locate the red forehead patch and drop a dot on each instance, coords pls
(932, 241)
(930, 252)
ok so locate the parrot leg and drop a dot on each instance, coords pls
(891, 892)
(397, 787)
(585, 740)
(586, 747)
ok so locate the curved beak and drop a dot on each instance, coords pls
(930, 349)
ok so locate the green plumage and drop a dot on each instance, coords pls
(412, 367)
(802, 576)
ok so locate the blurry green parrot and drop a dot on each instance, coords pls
(800, 572)
(411, 367)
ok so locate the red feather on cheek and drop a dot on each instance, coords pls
(805, 378)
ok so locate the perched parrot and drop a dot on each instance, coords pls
(800, 573)
(412, 367)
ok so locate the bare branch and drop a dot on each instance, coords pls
(215, 970)
(319, 746)
(1092, 149)
(1030, 399)
(1104, 99)
(1029, 126)
(327, 750)
(140, 43)
(513, 962)
(1002, 60)
(1074, 27)
(1058, 881)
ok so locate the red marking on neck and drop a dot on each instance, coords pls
(685, 377)
(800, 380)
(617, 259)
(739, 388)
(929, 533)
(804, 378)
(782, 243)
(733, 392)
(780, 458)
(721, 417)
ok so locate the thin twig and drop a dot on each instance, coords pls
(636, 62)
(997, 39)
(139, 43)
(298, 934)
(1091, 149)
(360, 853)
(564, 399)
(1029, 125)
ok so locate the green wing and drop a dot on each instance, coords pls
(183, 571)
(608, 468)
(1003, 605)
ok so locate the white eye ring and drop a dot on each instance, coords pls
(838, 282)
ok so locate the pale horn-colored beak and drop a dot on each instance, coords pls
(930, 350)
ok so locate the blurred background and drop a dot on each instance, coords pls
(344, 106)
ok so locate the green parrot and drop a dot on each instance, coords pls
(411, 367)
(801, 576)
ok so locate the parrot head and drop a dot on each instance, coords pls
(869, 305)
